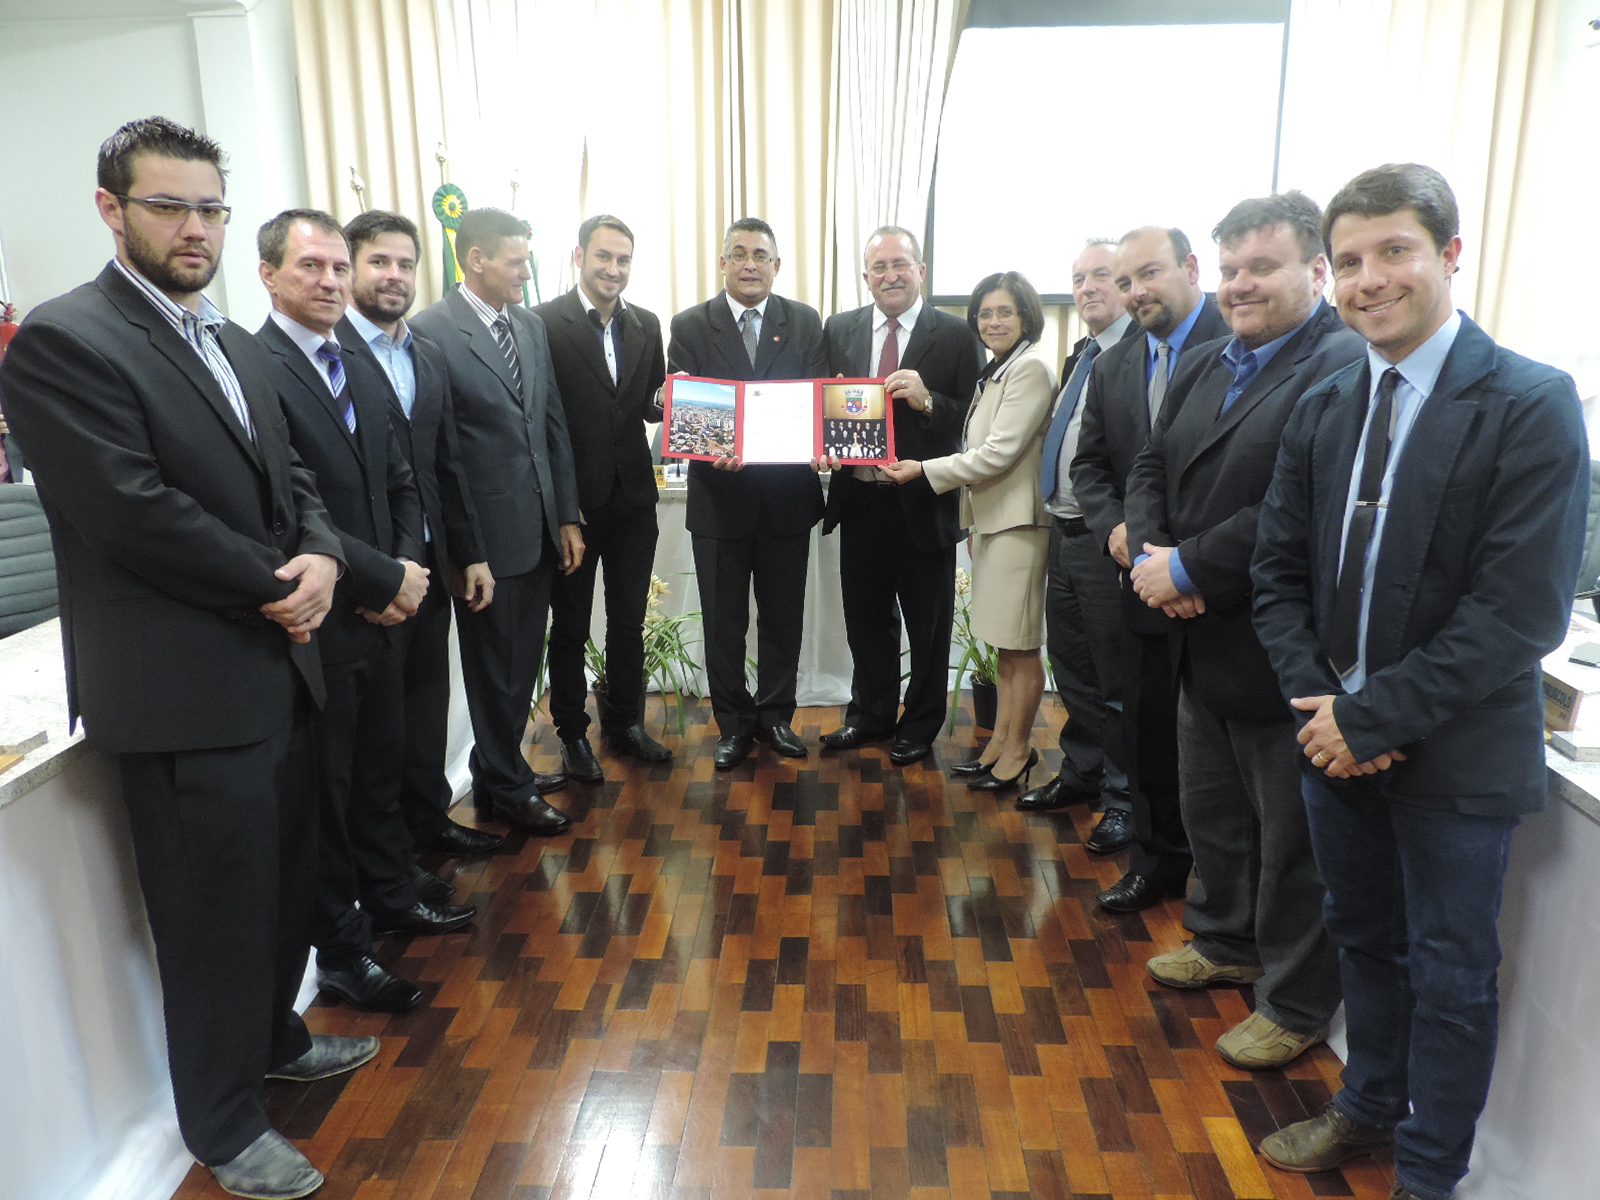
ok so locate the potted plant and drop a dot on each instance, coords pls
(977, 658)
(668, 661)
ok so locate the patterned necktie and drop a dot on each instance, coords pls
(1158, 381)
(329, 354)
(1066, 404)
(1344, 635)
(747, 329)
(889, 359)
(502, 335)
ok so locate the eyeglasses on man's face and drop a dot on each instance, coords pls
(165, 209)
(898, 267)
(741, 256)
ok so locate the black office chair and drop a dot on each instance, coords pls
(27, 563)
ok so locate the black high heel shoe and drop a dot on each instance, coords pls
(993, 782)
(969, 769)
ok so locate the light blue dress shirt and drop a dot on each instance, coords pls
(394, 357)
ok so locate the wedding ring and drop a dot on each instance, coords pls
(1318, 757)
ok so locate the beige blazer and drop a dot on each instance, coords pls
(1005, 443)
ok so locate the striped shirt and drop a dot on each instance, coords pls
(485, 314)
(200, 331)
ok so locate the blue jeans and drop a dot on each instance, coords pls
(1413, 901)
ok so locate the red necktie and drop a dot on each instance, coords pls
(889, 360)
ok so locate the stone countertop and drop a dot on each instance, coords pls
(33, 709)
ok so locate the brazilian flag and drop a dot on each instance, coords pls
(450, 205)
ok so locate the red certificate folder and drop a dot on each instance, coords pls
(779, 420)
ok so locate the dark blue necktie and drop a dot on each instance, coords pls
(1249, 368)
(329, 353)
(1049, 469)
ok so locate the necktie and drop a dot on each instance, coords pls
(1158, 381)
(1248, 370)
(1344, 637)
(747, 329)
(1066, 405)
(329, 353)
(502, 335)
(889, 359)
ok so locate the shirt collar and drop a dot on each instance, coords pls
(485, 314)
(209, 314)
(1235, 353)
(309, 340)
(907, 319)
(1112, 333)
(1421, 367)
(589, 305)
(738, 309)
(1178, 336)
(372, 335)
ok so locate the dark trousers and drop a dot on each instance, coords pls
(425, 793)
(1089, 648)
(1413, 905)
(1150, 733)
(727, 568)
(887, 579)
(364, 851)
(1257, 900)
(225, 845)
(502, 648)
(621, 538)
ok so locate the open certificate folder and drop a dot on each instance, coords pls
(778, 420)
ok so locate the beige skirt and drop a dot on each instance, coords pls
(1008, 570)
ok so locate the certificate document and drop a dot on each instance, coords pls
(778, 420)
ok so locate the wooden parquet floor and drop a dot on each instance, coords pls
(823, 978)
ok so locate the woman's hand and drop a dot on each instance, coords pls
(903, 471)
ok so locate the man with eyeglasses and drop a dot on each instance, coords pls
(751, 524)
(897, 547)
(195, 560)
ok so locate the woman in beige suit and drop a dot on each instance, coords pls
(1001, 504)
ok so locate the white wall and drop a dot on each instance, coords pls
(83, 71)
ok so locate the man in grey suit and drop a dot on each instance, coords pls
(1194, 495)
(514, 448)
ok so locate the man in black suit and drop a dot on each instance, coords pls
(897, 549)
(609, 365)
(1159, 279)
(751, 524)
(1086, 636)
(195, 561)
(383, 282)
(339, 425)
(1415, 559)
(1193, 498)
(514, 449)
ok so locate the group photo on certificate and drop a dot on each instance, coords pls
(778, 421)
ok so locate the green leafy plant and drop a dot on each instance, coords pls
(669, 661)
(977, 657)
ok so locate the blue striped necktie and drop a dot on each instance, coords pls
(329, 353)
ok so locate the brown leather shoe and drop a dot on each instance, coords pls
(1323, 1142)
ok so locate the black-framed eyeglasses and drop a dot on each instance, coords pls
(179, 210)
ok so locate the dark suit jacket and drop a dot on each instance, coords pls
(1198, 485)
(514, 446)
(1474, 574)
(948, 355)
(428, 440)
(168, 522)
(364, 481)
(606, 420)
(1116, 421)
(776, 499)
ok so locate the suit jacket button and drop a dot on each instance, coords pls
(277, 529)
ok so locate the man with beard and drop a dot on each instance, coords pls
(195, 561)
(384, 248)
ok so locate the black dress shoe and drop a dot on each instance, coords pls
(430, 887)
(329, 1055)
(732, 749)
(782, 739)
(1115, 832)
(636, 742)
(367, 985)
(905, 752)
(1132, 893)
(422, 918)
(462, 839)
(269, 1168)
(1058, 793)
(848, 737)
(578, 761)
(534, 815)
(969, 769)
(545, 782)
(994, 783)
